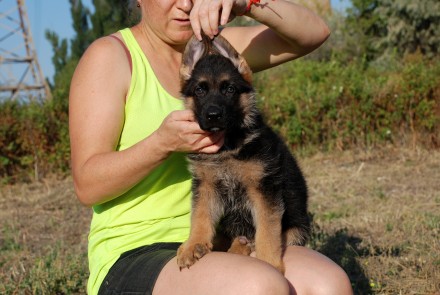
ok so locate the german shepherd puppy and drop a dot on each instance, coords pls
(253, 186)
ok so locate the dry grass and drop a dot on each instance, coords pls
(377, 214)
(43, 243)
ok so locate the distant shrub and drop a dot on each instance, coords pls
(33, 140)
(327, 105)
(343, 105)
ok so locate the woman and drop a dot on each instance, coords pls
(129, 134)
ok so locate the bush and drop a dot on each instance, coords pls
(343, 105)
(334, 104)
(33, 140)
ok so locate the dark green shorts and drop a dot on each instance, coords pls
(137, 270)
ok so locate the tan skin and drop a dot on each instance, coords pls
(97, 99)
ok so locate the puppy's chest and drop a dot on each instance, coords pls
(229, 177)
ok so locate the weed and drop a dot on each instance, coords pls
(9, 239)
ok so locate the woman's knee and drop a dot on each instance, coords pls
(335, 282)
(263, 279)
(310, 272)
(223, 273)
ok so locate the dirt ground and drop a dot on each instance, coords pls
(376, 213)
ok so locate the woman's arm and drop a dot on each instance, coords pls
(96, 116)
(288, 30)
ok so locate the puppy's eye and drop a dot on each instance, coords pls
(230, 89)
(199, 91)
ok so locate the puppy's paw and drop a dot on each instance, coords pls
(241, 245)
(189, 253)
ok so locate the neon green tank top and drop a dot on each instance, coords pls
(158, 208)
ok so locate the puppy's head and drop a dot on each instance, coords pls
(216, 84)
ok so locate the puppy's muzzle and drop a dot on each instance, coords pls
(214, 114)
(213, 119)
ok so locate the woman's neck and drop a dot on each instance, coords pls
(164, 58)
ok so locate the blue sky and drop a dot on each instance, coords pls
(54, 15)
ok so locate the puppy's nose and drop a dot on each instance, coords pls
(214, 113)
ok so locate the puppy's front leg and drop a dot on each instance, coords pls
(268, 236)
(204, 215)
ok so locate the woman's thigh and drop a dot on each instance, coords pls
(310, 272)
(222, 273)
(307, 272)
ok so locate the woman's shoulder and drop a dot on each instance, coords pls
(104, 59)
(107, 51)
(107, 46)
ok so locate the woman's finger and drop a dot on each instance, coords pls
(195, 19)
(226, 12)
(215, 8)
(184, 115)
(207, 15)
(203, 15)
(212, 143)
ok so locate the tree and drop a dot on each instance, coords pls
(65, 59)
(111, 15)
(108, 17)
(411, 26)
(401, 26)
(81, 26)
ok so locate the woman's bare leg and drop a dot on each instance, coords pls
(307, 272)
(310, 272)
(222, 273)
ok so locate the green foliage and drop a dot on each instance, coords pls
(312, 104)
(388, 26)
(59, 59)
(34, 137)
(364, 26)
(111, 15)
(58, 271)
(33, 140)
(9, 242)
(81, 25)
(362, 88)
(338, 105)
(411, 26)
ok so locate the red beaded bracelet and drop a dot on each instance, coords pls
(248, 7)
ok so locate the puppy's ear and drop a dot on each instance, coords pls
(194, 50)
(223, 47)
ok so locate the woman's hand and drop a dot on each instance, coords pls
(179, 132)
(286, 31)
(207, 15)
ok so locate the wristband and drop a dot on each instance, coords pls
(248, 7)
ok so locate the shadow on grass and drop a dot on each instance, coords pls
(344, 249)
